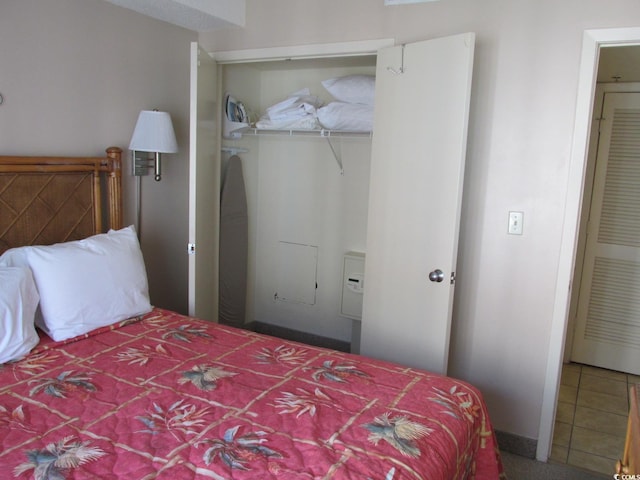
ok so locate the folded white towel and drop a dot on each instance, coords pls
(304, 123)
(297, 111)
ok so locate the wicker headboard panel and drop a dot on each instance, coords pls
(45, 200)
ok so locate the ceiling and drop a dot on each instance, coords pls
(620, 63)
(196, 15)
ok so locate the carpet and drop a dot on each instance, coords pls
(521, 468)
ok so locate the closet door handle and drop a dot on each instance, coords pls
(436, 276)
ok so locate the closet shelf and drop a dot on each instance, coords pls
(321, 133)
(302, 133)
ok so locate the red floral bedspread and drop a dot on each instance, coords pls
(171, 397)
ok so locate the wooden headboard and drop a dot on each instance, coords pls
(46, 200)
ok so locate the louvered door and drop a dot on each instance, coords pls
(608, 323)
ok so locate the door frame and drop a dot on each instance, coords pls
(299, 52)
(341, 49)
(592, 41)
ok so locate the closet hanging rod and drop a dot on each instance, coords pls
(305, 133)
(320, 133)
(234, 150)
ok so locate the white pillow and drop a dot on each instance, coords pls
(17, 257)
(87, 284)
(18, 303)
(352, 88)
(346, 116)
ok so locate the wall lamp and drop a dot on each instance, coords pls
(153, 133)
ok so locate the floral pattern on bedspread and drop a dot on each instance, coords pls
(172, 397)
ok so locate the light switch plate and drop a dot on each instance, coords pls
(515, 223)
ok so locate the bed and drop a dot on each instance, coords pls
(152, 394)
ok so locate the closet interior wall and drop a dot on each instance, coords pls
(297, 196)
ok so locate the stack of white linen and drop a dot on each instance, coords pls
(297, 112)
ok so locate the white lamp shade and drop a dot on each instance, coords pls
(154, 133)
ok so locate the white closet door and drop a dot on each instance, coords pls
(608, 319)
(418, 154)
(204, 187)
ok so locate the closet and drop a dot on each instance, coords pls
(393, 194)
(307, 195)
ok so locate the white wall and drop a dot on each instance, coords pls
(522, 118)
(74, 75)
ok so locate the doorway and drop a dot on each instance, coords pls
(591, 414)
(604, 307)
(592, 42)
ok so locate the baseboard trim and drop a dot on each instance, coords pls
(525, 447)
(298, 336)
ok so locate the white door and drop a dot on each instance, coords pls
(204, 187)
(608, 319)
(419, 144)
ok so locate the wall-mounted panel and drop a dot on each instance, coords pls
(297, 273)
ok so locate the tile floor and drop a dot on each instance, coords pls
(591, 418)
